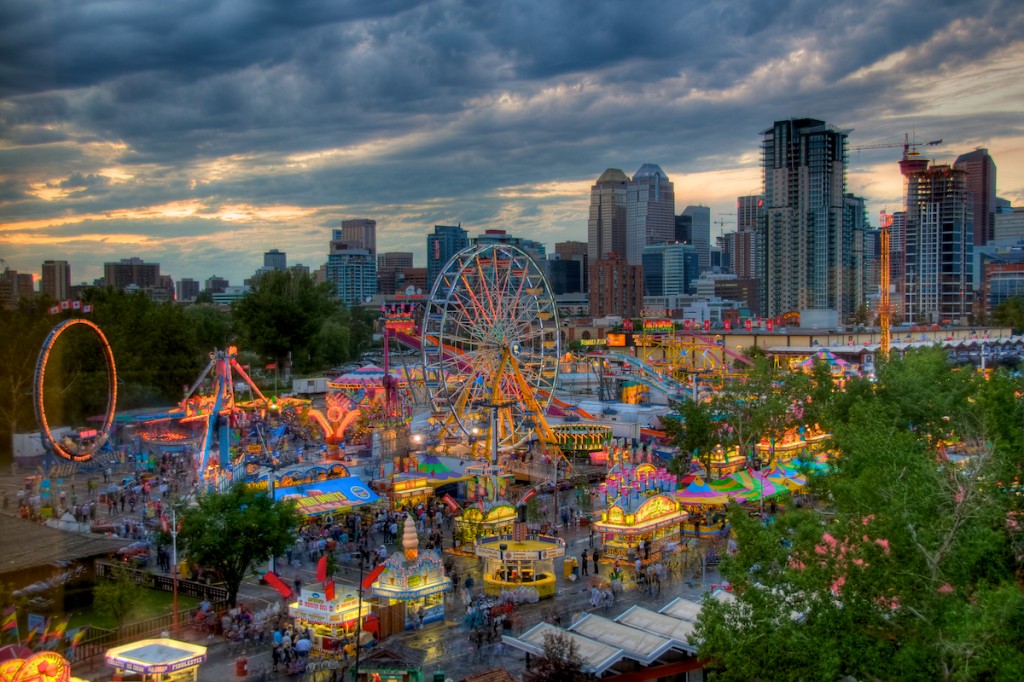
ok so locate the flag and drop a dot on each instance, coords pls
(57, 633)
(275, 582)
(372, 576)
(329, 590)
(165, 526)
(87, 308)
(529, 495)
(76, 305)
(321, 569)
(65, 305)
(271, 365)
(450, 501)
(41, 629)
(79, 635)
(10, 619)
(54, 309)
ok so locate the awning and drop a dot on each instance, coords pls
(325, 497)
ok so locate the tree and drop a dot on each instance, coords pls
(560, 662)
(117, 596)
(230, 532)
(1011, 313)
(282, 313)
(17, 372)
(914, 572)
(694, 434)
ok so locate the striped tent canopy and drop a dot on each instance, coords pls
(756, 484)
(699, 492)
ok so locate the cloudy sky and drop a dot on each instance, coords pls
(201, 133)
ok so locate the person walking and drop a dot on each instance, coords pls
(595, 556)
(583, 563)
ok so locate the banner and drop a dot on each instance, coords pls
(275, 582)
(450, 501)
(531, 493)
(329, 591)
(321, 569)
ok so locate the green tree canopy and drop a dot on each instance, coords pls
(912, 573)
(232, 531)
(1011, 313)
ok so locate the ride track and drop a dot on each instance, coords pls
(78, 453)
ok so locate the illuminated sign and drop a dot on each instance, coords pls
(659, 326)
(654, 508)
(617, 340)
(592, 342)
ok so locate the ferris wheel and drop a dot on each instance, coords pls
(491, 346)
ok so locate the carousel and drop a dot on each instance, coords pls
(414, 577)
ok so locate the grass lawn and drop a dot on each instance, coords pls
(152, 603)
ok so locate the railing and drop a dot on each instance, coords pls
(165, 583)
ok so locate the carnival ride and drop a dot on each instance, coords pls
(90, 440)
(490, 343)
(217, 410)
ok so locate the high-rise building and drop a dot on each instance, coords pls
(535, 249)
(15, 286)
(187, 290)
(56, 282)
(616, 287)
(389, 268)
(352, 274)
(275, 260)
(981, 187)
(564, 276)
(446, 241)
(808, 248)
(358, 233)
(650, 211)
(742, 245)
(216, 285)
(1009, 224)
(938, 244)
(700, 233)
(670, 268)
(606, 224)
(855, 216)
(579, 252)
(131, 272)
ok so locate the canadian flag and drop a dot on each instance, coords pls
(87, 308)
(76, 305)
(65, 305)
(54, 310)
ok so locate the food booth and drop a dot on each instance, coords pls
(634, 517)
(486, 520)
(157, 660)
(331, 620)
(414, 577)
(408, 490)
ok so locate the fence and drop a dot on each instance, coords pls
(165, 583)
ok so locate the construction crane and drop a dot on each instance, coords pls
(909, 146)
(884, 309)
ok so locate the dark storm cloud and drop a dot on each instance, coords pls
(226, 102)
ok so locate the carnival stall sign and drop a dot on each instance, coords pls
(634, 517)
(414, 577)
(795, 442)
(517, 560)
(158, 660)
(328, 497)
(483, 520)
(408, 490)
(329, 615)
(581, 438)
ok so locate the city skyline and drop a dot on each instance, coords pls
(201, 137)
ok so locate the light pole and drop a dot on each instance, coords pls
(174, 564)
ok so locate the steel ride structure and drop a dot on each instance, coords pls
(89, 441)
(216, 410)
(490, 348)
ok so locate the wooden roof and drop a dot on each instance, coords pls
(26, 544)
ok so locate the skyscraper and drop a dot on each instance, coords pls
(275, 260)
(616, 287)
(187, 290)
(446, 241)
(606, 225)
(358, 233)
(808, 247)
(352, 274)
(700, 233)
(580, 253)
(670, 268)
(981, 187)
(131, 272)
(650, 211)
(743, 245)
(56, 281)
(939, 244)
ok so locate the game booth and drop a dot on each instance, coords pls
(634, 517)
(520, 560)
(331, 618)
(414, 577)
(329, 496)
(156, 660)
